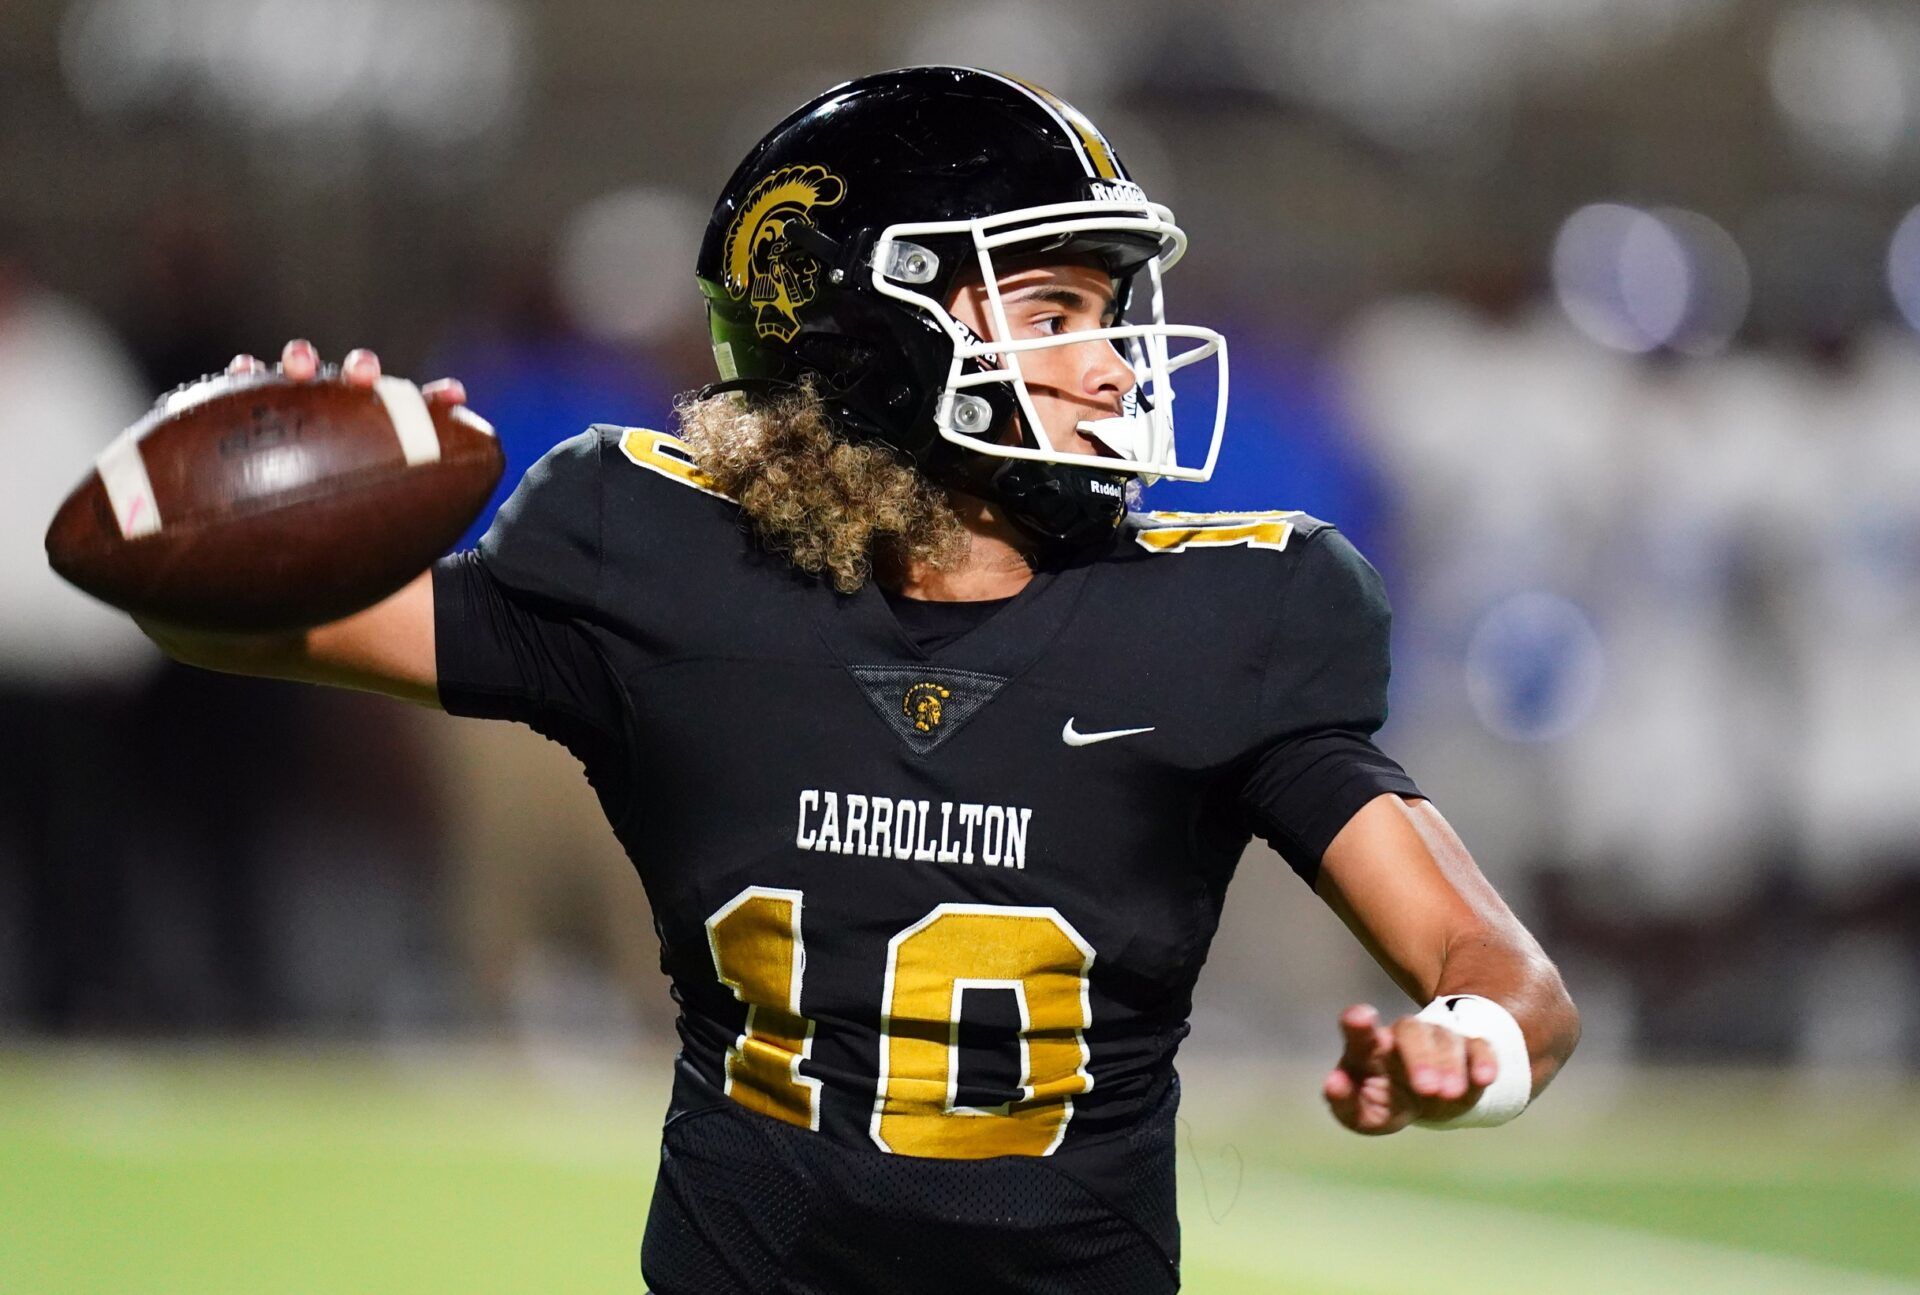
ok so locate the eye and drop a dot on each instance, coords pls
(1051, 325)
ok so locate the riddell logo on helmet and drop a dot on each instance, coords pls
(1118, 191)
(1106, 488)
(763, 263)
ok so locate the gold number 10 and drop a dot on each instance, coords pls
(758, 953)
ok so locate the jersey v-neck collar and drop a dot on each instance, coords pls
(861, 629)
(931, 623)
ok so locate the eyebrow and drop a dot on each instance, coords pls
(1060, 295)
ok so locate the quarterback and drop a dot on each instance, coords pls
(934, 755)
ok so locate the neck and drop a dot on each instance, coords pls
(997, 564)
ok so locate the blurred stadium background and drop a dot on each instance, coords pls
(1594, 324)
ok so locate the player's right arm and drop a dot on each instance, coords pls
(387, 648)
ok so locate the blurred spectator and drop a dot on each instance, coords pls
(1734, 538)
(1656, 616)
(67, 387)
(555, 928)
(533, 373)
(187, 291)
(66, 667)
(144, 806)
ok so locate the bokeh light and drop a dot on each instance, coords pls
(438, 71)
(1420, 79)
(1903, 268)
(1838, 75)
(1534, 667)
(1638, 280)
(1621, 276)
(1072, 48)
(1721, 284)
(622, 264)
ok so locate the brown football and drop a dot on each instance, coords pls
(256, 504)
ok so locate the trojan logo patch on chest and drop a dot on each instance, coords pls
(764, 262)
(925, 707)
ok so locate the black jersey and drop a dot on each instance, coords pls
(933, 919)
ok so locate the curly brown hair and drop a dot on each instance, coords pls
(832, 506)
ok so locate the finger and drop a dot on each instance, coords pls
(244, 363)
(298, 360)
(361, 367)
(1361, 1039)
(1442, 1059)
(1380, 1107)
(1430, 1060)
(1482, 1066)
(1371, 1106)
(445, 391)
(1340, 1091)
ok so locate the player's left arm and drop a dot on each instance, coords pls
(1399, 877)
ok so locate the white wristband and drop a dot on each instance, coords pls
(1482, 1018)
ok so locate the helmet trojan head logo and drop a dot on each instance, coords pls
(763, 262)
(922, 705)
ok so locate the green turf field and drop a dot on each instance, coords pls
(176, 1170)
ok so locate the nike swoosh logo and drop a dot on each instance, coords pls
(1071, 738)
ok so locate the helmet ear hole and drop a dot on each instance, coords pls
(972, 415)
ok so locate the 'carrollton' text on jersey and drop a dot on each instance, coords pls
(881, 827)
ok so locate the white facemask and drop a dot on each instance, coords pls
(1142, 434)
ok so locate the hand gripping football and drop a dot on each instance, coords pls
(252, 503)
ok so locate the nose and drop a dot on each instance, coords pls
(1107, 375)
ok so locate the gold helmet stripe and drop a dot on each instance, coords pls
(1085, 136)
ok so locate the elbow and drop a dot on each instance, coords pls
(1555, 1025)
(1559, 1009)
(1541, 1003)
(1569, 1018)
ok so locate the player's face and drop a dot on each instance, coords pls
(1069, 384)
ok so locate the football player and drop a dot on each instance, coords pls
(934, 758)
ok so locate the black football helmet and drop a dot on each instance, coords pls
(839, 240)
